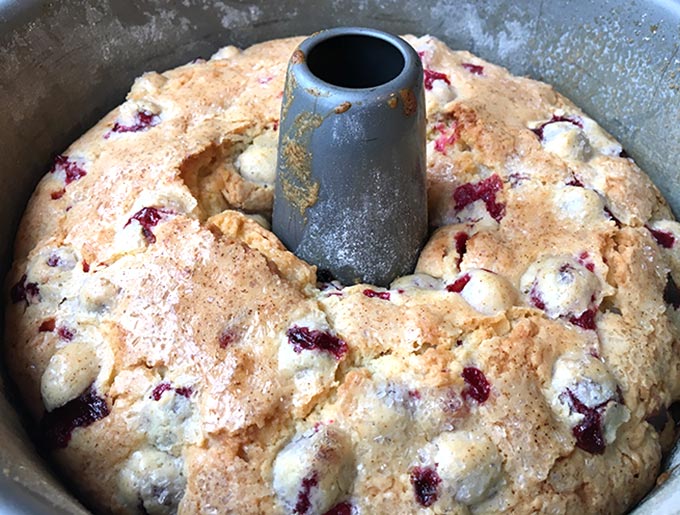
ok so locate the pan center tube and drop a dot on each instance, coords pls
(350, 193)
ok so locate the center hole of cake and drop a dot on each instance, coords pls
(355, 61)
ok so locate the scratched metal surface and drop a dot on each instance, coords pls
(64, 64)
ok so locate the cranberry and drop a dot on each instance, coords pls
(147, 217)
(584, 259)
(58, 425)
(425, 481)
(671, 293)
(431, 76)
(384, 295)
(47, 326)
(445, 140)
(160, 389)
(478, 387)
(485, 190)
(65, 333)
(303, 503)
(574, 120)
(414, 394)
(28, 292)
(663, 238)
(56, 195)
(535, 297)
(458, 285)
(227, 337)
(184, 391)
(143, 121)
(53, 260)
(304, 338)
(585, 320)
(588, 433)
(461, 239)
(575, 181)
(344, 508)
(86, 266)
(475, 69)
(70, 168)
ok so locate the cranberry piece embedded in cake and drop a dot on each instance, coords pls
(344, 508)
(461, 239)
(474, 69)
(142, 121)
(184, 391)
(65, 333)
(663, 238)
(458, 285)
(227, 337)
(430, 76)
(303, 502)
(56, 195)
(159, 390)
(72, 171)
(47, 326)
(588, 433)
(384, 295)
(484, 190)
(478, 387)
(425, 481)
(147, 217)
(574, 120)
(304, 338)
(58, 425)
(585, 320)
(26, 291)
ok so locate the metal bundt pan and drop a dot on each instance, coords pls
(64, 64)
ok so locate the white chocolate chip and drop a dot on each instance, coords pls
(488, 293)
(97, 293)
(316, 467)
(562, 284)
(578, 205)
(470, 466)
(154, 479)
(68, 374)
(416, 282)
(257, 163)
(567, 141)
(226, 52)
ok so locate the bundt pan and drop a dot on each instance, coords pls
(64, 64)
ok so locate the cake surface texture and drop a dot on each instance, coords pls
(178, 359)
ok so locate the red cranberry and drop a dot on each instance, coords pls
(589, 432)
(86, 266)
(584, 259)
(458, 285)
(227, 337)
(575, 181)
(485, 190)
(143, 121)
(65, 333)
(53, 260)
(446, 140)
(303, 503)
(160, 389)
(478, 387)
(535, 298)
(574, 120)
(56, 195)
(585, 320)
(384, 295)
(70, 168)
(184, 391)
(475, 69)
(28, 292)
(58, 425)
(47, 326)
(147, 217)
(425, 481)
(671, 293)
(663, 238)
(431, 76)
(461, 239)
(344, 508)
(304, 338)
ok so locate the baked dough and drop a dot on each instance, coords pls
(179, 359)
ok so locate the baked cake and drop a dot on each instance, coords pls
(178, 358)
